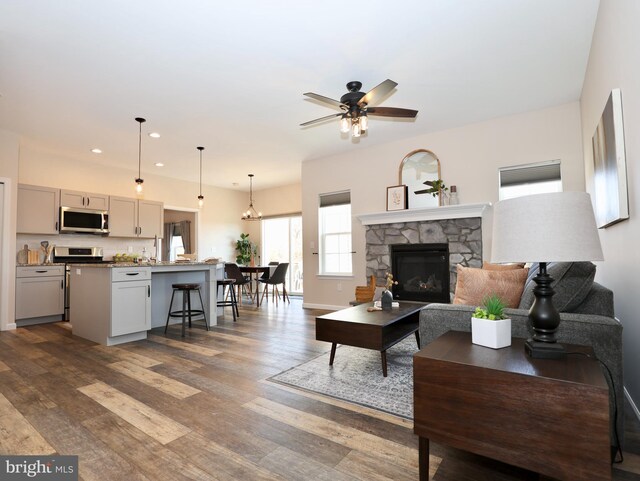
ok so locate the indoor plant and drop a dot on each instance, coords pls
(436, 188)
(243, 247)
(489, 327)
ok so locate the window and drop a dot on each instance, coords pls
(282, 242)
(528, 179)
(334, 216)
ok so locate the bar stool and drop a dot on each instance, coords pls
(233, 302)
(186, 312)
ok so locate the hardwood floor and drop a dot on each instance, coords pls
(199, 408)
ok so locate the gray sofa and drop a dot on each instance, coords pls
(590, 322)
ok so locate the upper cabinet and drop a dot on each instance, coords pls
(38, 209)
(135, 218)
(74, 198)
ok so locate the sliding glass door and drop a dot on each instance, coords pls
(282, 242)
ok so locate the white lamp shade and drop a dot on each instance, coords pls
(556, 227)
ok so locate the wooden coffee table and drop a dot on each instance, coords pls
(377, 330)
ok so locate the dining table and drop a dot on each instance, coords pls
(254, 273)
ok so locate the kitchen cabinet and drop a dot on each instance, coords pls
(75, 198)
(39, 294)
(110, 305)
(38, 209)
(135, 217)
(130, 300)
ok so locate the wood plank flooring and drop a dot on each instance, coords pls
(199, 408)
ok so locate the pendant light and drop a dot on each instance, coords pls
(251, 213)
(200, 197)
(139, 180)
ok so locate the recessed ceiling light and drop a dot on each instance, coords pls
(96, 151)
(155, 135)
(159, 164)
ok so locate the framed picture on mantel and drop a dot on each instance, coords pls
(397, 197)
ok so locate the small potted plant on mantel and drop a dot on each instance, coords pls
(489, 327)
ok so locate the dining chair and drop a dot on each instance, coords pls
(232, 271)
(278, 277)
(265, 275)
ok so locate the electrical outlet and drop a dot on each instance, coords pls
(339, 286)
(130, 249)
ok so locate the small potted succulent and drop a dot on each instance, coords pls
(489, 327)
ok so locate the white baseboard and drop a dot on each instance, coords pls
(633, 405)
(328, 307)
(11, 326)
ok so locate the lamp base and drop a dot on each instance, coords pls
(544, 350)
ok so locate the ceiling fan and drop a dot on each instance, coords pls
(356, 106)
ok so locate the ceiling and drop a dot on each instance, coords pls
(230, 75)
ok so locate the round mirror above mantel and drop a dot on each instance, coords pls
(416, 168)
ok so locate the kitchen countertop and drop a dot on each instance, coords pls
(19, 264)
(141, 264)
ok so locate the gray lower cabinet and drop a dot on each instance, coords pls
(110, 305)
(39, 294)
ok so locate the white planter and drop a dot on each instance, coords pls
(494, 334)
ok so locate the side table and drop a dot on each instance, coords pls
(548, 416)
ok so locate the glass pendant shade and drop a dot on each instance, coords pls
(344, 124)
(364, 122)
(356, 128)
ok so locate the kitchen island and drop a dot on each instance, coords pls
(116, 303)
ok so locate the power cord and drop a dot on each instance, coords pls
(615, 406)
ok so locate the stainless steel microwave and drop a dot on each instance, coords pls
(74, 220)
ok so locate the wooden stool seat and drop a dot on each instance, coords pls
(186, 313)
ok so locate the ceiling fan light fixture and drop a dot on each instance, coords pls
(364, 122)
(345, 125)
(251, 214)
(139, 181)
(355, 130)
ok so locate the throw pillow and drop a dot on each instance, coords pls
(572, 282)
(475, 284)
(501, 267)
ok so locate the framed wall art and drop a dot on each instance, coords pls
(397, 197)
(610, 165)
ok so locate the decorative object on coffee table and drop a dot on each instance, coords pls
(545, 228)
(397, 197)
(489, 327)
(386, 299)
(366, 293)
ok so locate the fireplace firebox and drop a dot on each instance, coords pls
(422, 272)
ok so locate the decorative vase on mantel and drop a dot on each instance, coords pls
(386, 300)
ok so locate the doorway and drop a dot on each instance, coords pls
(180, 235)
(282, 242)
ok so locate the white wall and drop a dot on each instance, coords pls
(9, 151)
(614, 62)
(219, 219)
(470, 157)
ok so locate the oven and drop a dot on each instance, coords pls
(74, 255)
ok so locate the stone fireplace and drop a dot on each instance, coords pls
(461, 236)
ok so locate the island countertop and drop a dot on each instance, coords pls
(109, 265)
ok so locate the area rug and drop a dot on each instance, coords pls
(356, 377)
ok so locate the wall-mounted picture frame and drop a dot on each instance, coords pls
(397, 197)
(610, 165)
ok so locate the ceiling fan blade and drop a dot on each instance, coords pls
(391, 112)
(326, 100)
(377, 93)
(321, 119)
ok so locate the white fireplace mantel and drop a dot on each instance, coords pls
(429, 213)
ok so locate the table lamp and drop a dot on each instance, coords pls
(555, 227)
